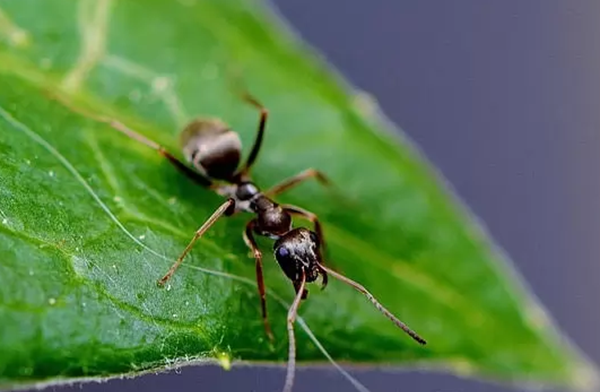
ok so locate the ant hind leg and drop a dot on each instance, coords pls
(124, 129)
(264, 114)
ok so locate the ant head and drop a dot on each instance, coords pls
(299, 250)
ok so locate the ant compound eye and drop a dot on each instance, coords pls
(314, 237)
(282, 252)
(286, 261)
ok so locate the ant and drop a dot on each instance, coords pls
(214, 152)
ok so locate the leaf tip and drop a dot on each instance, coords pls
(224, 360)
(583, 374)
(585, 377)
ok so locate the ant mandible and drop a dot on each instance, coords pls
(214, 152)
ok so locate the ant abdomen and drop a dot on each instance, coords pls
(212, 147)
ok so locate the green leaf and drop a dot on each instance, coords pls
(91, 219)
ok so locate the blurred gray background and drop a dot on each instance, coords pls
(504, 98)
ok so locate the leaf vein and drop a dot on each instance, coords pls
(93, 27)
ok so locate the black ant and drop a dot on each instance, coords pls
(214, 152)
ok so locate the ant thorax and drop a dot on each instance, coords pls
(272, 219)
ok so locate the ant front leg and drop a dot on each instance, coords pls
(124, 129)
(291, 318)
(251, 242)
(296, 180)
(309, 216)
(297, 289)
(225, 208)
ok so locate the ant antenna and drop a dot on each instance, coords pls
(375, 303)
(291, 318)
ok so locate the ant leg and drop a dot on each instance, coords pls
(124, 129)
(249, 240)
(297, 179)
(309, 216)
(223, 209)
(297, 288)
(264, 113)
(291, 318)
